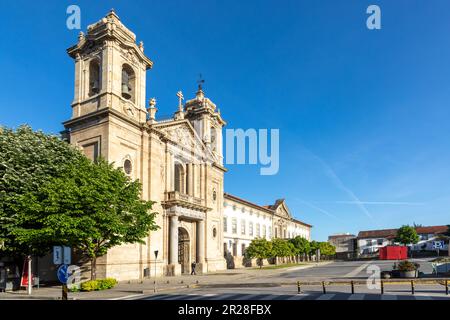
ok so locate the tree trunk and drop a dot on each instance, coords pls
(94, 268)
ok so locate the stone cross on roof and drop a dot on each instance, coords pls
(180, 100)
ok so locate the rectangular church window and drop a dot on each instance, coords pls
(91, 151)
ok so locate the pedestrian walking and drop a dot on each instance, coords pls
(193, 265)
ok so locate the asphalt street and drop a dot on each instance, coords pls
(282, 285)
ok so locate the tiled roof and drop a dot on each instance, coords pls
(232, 197)
(264, 208)
(391, 233)
(377, 233)
(434, 229)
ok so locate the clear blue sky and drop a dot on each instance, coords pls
(363, 115)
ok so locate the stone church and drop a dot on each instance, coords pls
(178, 160)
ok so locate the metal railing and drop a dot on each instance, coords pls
(383, 284)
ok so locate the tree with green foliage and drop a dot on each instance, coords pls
(313, 247)
(280, 248)
(28, 160)
(327, 249)
(96, 207)
(302, 246)
(51, 194)
(260, 249)
(407, 235)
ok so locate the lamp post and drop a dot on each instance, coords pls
(156, 256)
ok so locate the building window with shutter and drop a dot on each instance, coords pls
(234, 225)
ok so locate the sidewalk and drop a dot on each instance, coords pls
(147, 286)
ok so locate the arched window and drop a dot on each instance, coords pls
(94, 77)
(179, 178)
(128, 82)
(213, 136)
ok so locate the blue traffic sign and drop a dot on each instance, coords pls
(438, 244)
(62, 273)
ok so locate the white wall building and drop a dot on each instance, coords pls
(244, 221)
(369, 242)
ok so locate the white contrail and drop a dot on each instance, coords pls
(393, 203)
(318, 209)
(332, 175)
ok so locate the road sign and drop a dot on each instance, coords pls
(438, 244)
(25, 274)
(57, 255)
(67, 256)
(62, 273)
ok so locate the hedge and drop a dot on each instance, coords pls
(96, 285)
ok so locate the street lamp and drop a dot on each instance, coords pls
(156, 256)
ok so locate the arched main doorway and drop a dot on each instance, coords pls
(183, 250)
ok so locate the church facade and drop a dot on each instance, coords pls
(178, 160)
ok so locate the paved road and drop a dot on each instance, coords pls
(277, 286)
(328, 296)
(344, 270)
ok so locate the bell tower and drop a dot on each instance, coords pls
(110, 70)
(207, 122)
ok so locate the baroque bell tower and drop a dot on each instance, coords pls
(110, 70)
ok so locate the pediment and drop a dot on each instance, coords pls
(282, 209)
(182, 135)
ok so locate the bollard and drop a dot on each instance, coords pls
(353, 287)
(412, 286)
(446, 287)
(299, 290)
(64, 292)
(382, 287)
(323, 287)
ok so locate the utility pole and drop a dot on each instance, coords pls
(156, 256)
(30, 276)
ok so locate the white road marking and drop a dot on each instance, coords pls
(297, 297)
(203, 296)
(327, 296)
(423, 298)
(127, 297)
(223, 296)
(357, 270)
(388, 297)
(174, 297)
(357, 296)
(247, 297)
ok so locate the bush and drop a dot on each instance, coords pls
(95, 285)
(408, 266)
(74, 288)
(107, 283)
(90, 285)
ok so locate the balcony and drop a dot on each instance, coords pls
(175, 198)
